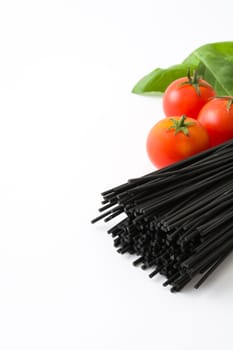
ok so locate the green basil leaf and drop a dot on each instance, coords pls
(213, 61)
(215, 65)
(157, 81)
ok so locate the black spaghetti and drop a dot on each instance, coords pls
(179, 219)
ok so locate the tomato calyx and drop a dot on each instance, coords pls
(229, 100)
(194, 81)
(180, 125)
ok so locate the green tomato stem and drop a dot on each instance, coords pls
(180, 125)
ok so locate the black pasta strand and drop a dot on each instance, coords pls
(179, 219)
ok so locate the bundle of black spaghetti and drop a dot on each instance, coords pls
(178, 220)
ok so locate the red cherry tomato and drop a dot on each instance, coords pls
(174, 139)
(217, 118)
(187, 96)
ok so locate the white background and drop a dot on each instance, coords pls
(69, 129)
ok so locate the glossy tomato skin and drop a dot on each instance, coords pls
(217, 119)
(181, 99)
(164, 147)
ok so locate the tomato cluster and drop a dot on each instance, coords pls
(195, 120)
